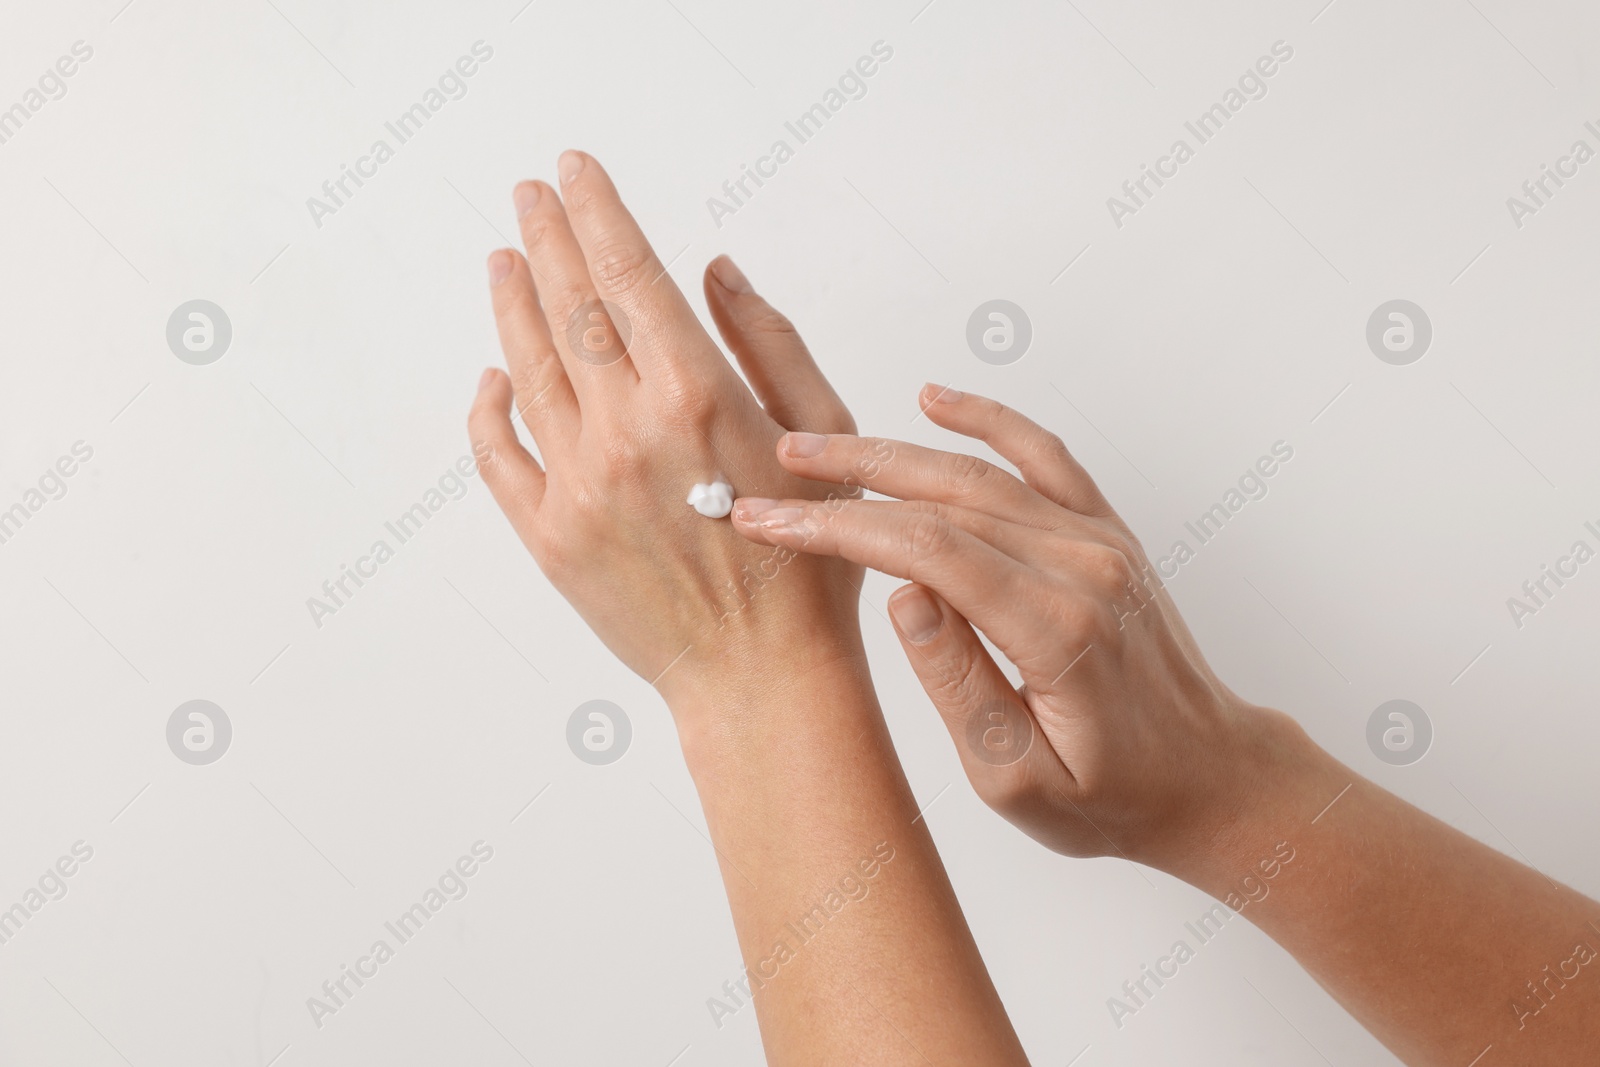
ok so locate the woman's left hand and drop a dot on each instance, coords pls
(627, 416)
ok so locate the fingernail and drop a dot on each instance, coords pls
(499, 266)
(942, 394)
(731, 277)
(916, 615)
(760, 511)
(483, 382)
(525, 197)
(747, 508)
(779, 517)
(570, 164)
(804, 445)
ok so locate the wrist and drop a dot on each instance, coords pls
(763, 642)
(1278, 782)
(725, 702)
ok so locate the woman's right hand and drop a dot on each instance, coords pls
(1120, 740)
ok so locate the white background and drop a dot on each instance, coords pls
(368, 754)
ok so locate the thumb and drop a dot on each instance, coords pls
(1006, 756)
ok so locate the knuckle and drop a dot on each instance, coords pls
(690, 401)
(579, 196)
(483, 452)
(953, 684)
(1046, 452)
(531, 382)
(868, 456)
(966, 472)
(624, 456)
(1051, 447)
(622, 267)
(1107, 569)
(927, 537)
(769, 320)
(1083, 620)
(536, 228)
(1128, 543)
(552, 549)
(513, 300)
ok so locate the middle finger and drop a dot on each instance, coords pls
(592, 351)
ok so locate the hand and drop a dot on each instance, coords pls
(627, 416)
(1120, 740)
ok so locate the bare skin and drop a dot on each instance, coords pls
(1122, 741)
(855, 947)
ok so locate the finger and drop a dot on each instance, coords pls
(590, 348)
(624, 269)
(544, 394)
(1038, 454)
(775, 360)
(907, 471)
(1002, 749)
(512, 475)
(985, 584)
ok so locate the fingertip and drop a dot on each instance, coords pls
(525, 197)
(571, 164)
(497, 382)
(505, 464)
(744, 515)
(747, 509)
(798, 444)
(730, 277)
(491, 395)
(933, 394)
(501, 262)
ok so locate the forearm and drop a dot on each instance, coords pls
(855, 948)
(1428, 937)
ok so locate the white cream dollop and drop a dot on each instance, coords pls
(713, 500)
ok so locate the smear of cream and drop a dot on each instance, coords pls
(713, 500)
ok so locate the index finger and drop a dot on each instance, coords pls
(626, 270)
(981, 582)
